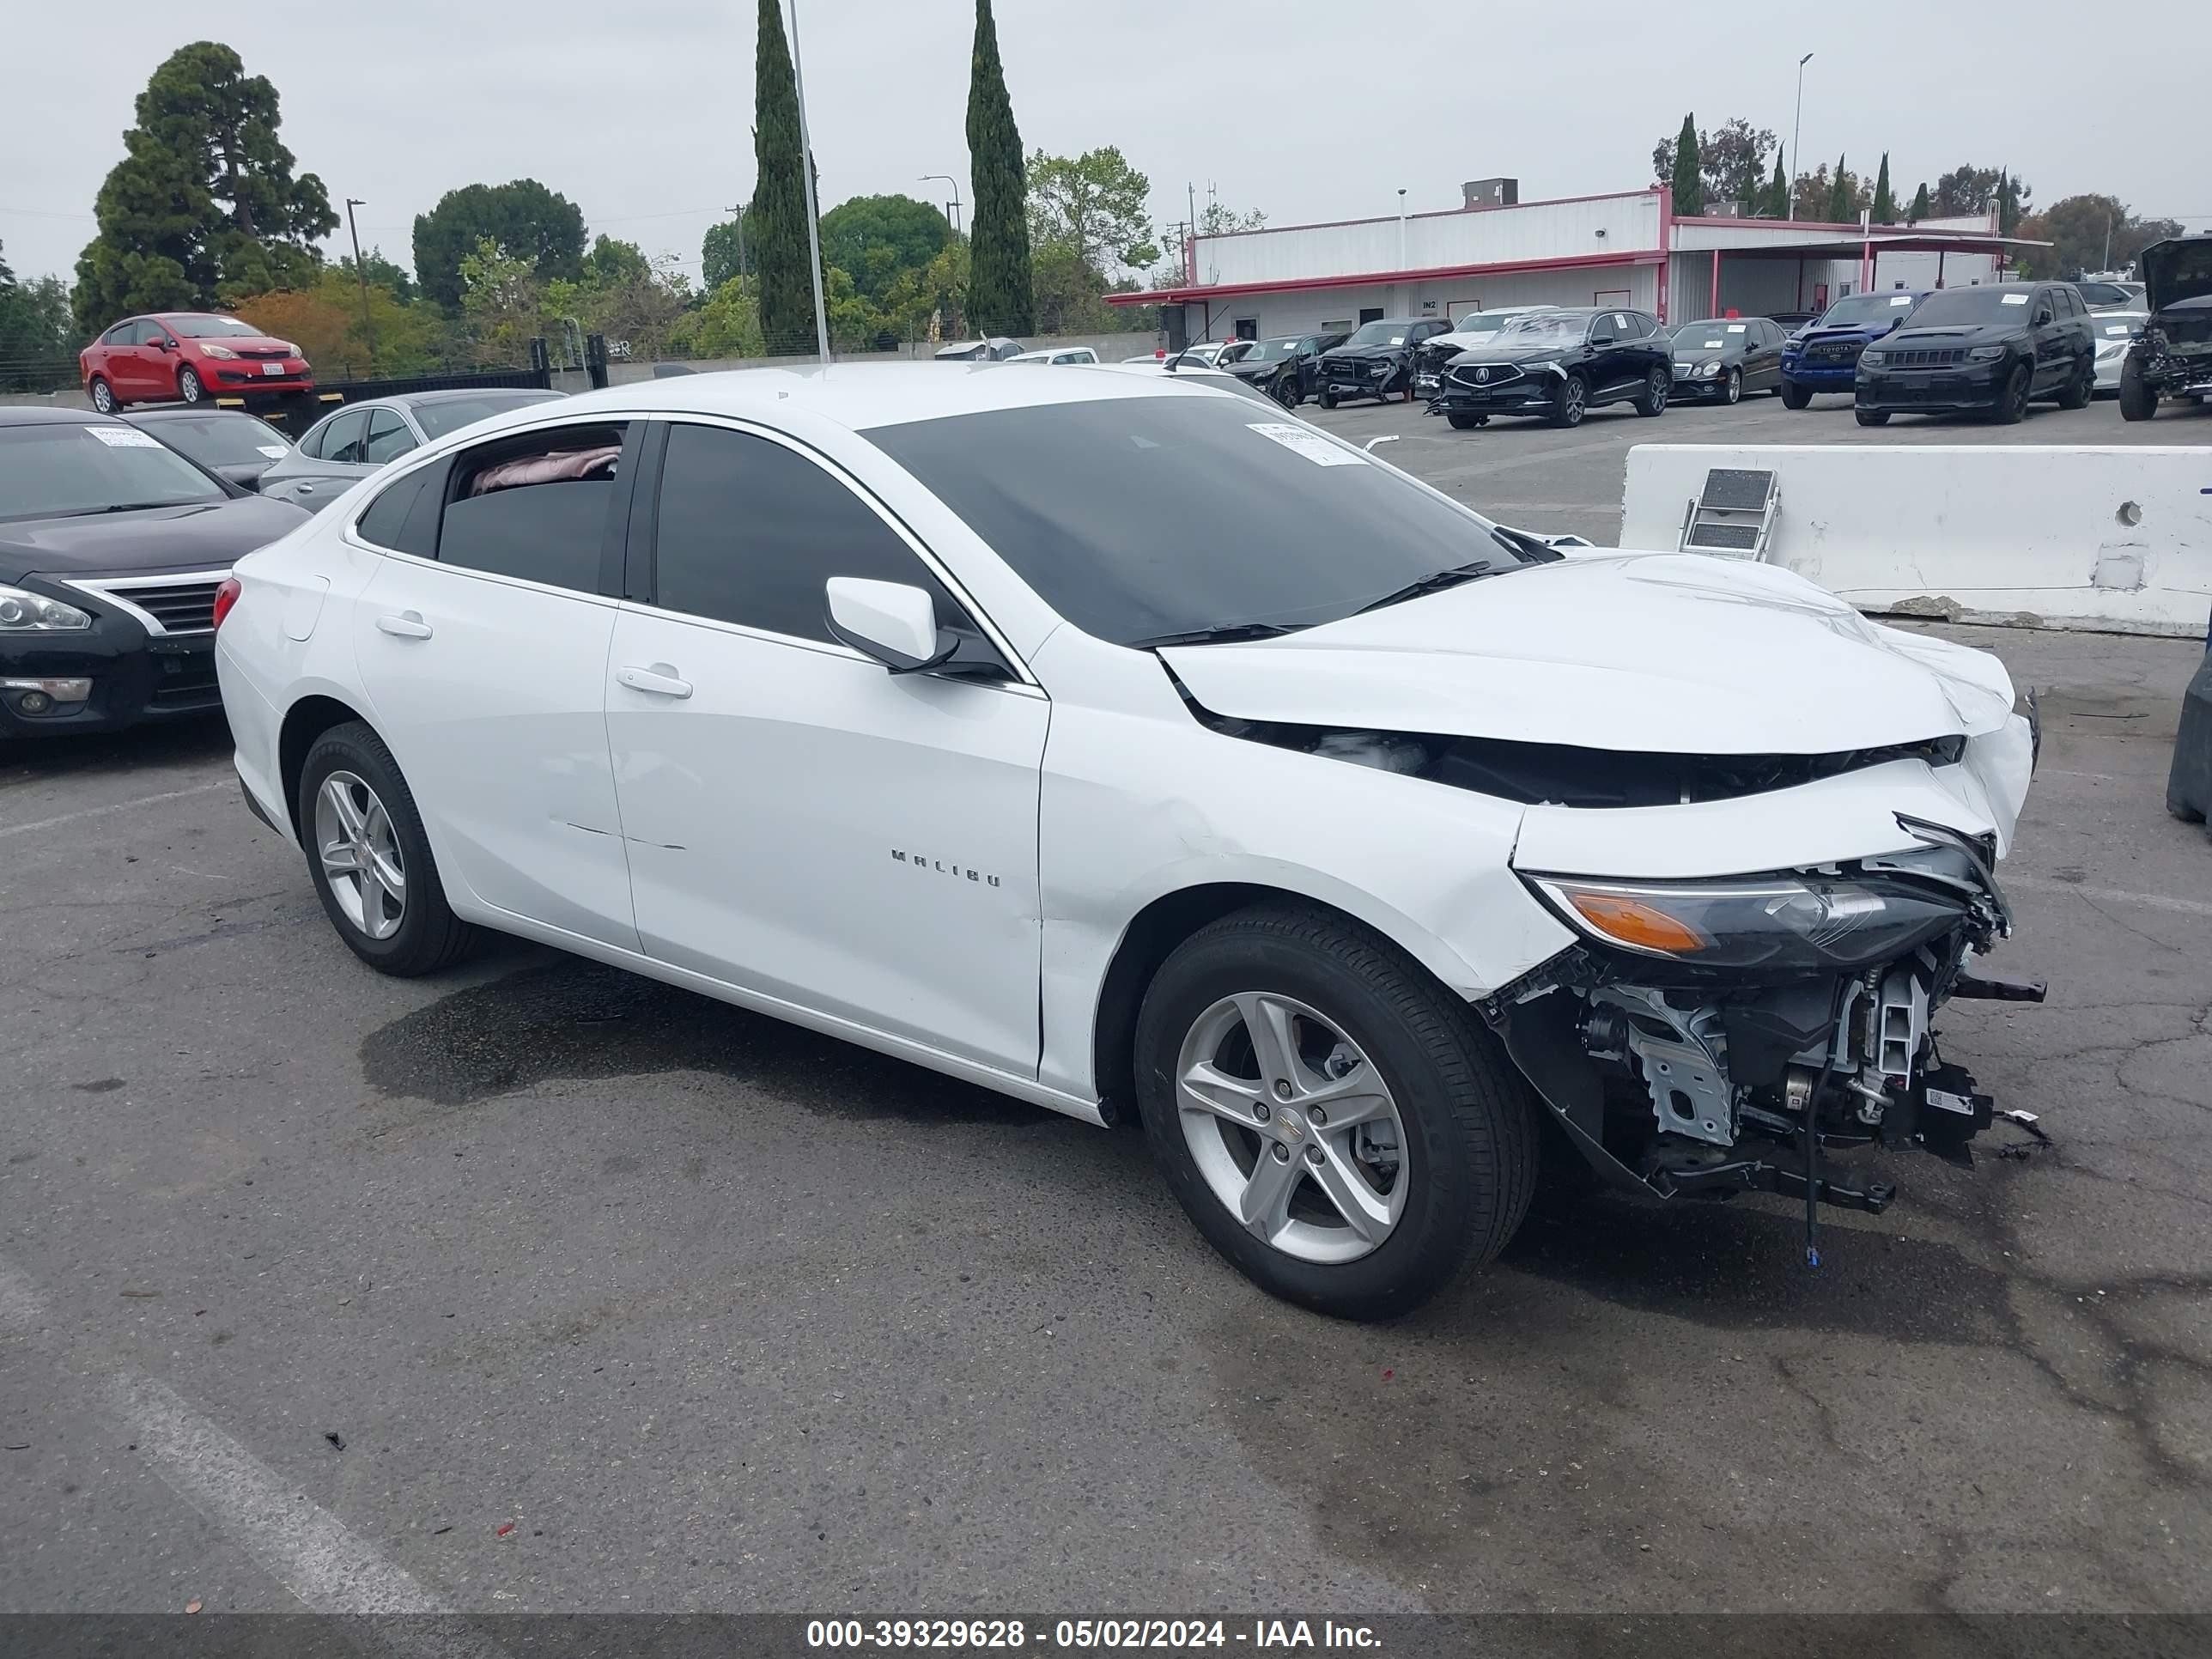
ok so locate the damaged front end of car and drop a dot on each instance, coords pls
(1715, 1036)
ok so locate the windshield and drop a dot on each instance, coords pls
(1271, 352)
(1136, 518)
(207, 328)
(1708, 337)
(1957, 306)
(59, 470)
(1867, 308)
(1379, 334)
(222, 440)
(452, 414)
(1545, 328)
(1479, 322)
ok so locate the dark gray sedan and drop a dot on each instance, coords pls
(348, 444)
(1725, 357)
(229, 442)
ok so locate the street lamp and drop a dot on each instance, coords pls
(1795, 127)
(360, 274)
(806, 172)
(1401, 232)
(931, 178)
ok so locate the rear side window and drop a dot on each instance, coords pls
(388, 437)
(345, 437)
(750, 532)
(535, 507)
(404, 518)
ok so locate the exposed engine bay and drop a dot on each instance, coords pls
(1715, 1037)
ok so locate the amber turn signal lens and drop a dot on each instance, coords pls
(1632, 921)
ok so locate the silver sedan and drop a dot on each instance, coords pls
(350, 443)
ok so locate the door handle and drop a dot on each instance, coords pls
(303, 490)
(651, 679)
(407, 625)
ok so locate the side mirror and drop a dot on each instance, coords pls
(891, 622)
(165, 344)
(2043, 319)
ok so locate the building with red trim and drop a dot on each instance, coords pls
(1627, 250)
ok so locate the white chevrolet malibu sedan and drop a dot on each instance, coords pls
(1130, 748)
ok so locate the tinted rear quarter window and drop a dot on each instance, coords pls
(537, 507)
(405, 516)
(749, 532)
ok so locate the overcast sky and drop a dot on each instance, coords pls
(639, 110)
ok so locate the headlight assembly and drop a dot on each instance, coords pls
(217, 351)
(1783, 922)
(1986, 353)
(1872, 358)
(22, 612)
(1709, 371)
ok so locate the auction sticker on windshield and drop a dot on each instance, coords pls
(2016, 298)
(123, 437)
(1311, 445)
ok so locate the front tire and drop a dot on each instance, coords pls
(1657, 386)
(103, 397)
(1795, 395)
(2012, 406)
(1424, 1155)
(1872, 416)
(1329, 400)
(1287, 392)
(1463, 422)
(1732, 387)
(188, 385)
(1573, 402)
(2138, 398)
(370, 860)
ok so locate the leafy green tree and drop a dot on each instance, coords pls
(724, 253)
(623, 295)
(38, 339)
(504, 303)
(728, 324)
(539, 226)
(2081, 229)
(380, 273)
(2012, 205)
(878, 239)
(1731, 161)
(204, 204)
(926, 304)
(1969, 189)
(1215, 219)
(1885, 202)
(1689, 176)
(1775, 202)
(1921, 208)
(1001, 297)
(1095, 204)
(776, 228)
(1842, 205)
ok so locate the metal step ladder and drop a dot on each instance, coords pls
(1733, 517)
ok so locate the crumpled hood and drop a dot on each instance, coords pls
(1652, 653)
(2177, 270)
(201, 536)
(1350, 353)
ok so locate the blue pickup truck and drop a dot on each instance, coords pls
(1824, 356)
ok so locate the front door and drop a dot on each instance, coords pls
(486, 667)
(803, 823)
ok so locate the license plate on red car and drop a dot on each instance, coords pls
(272, 369)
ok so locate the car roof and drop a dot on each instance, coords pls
(37, 415)
(444, 395)
(193, 412)
(862, 396)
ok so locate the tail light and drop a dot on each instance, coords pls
(225, 596)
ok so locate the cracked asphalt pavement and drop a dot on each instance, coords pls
(621, 1300)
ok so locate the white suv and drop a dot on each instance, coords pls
(1369, 851)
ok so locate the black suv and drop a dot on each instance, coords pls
(1986, 350)
(1285, 368)
(1376, 361)
(1558, 364)
(2172, 358)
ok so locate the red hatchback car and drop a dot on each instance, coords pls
(191, 356)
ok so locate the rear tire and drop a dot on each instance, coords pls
(1657, 386)
(2079, 390)
(104, 399)
(1795, 395)
(428, 936)
(2138, 398)
(1465, 1133)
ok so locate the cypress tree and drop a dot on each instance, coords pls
(1885, 204)
(2007, 204)
(1777, 205)
(1840, 208)
(775, 226)
(1001, 296)
(1920, 208)
(1689, 179)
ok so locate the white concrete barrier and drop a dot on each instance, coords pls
(2114, 540)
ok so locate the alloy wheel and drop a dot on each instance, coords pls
(360, 854)
(188, 385)
(1734, 391)
(103, 397)
(1292, 1127)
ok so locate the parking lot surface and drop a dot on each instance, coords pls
(621, 1300)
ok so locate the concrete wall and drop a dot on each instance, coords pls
(2109, 539)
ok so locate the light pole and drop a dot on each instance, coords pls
(1796, 127)
(931, 178)
(806, 172)
(1401, 232)
(740, 211)
(360, 274)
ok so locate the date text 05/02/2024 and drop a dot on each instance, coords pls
(1264, 1635)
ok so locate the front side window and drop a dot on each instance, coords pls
(1141, 518)
(65, 471)
(535, 507)
(749, 532)
(387, 437)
